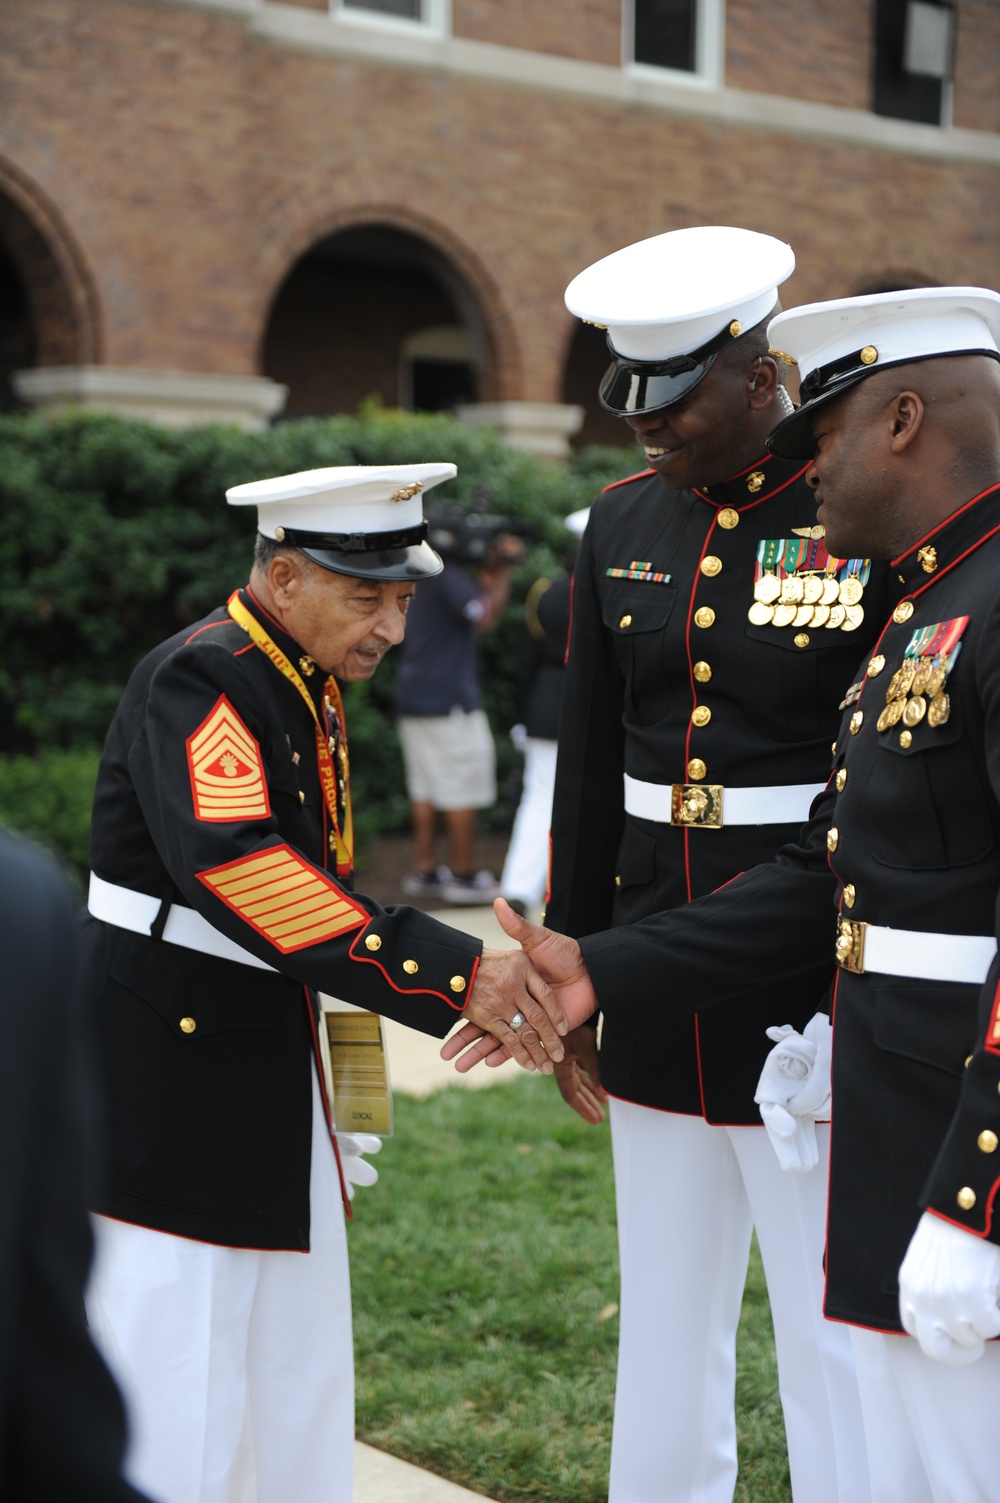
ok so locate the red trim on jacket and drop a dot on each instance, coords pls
(413, 991)
(641, 475)
(209, 626)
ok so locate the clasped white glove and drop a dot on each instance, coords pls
(519, 736)
(357, 1170)
(793, 1092)
(949, 1287)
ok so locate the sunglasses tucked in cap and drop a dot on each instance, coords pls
(362, 520)
(671, 303)
(839, 343)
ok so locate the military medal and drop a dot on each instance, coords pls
(891, 715)
(938, 710)
(936, 680)
(915, 710)
(784, 613)
(767, 589)
(831, 590)
(854, 615)
(812, 587)
(850, 590)
(760, 614)
(820, 615)
(921, 677)
(792, 589)
(803, 616)
(838, 615)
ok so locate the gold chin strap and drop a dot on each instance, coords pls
(784, 357)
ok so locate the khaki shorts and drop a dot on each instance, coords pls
(450, 761)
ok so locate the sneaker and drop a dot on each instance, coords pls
(481, 888)
(426, 884)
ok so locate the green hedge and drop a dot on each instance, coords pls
(117, 534)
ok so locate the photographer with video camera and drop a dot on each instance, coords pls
(447, 743)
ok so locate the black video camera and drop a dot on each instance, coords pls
(474, 535)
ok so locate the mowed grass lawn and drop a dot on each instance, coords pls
(485, 1275)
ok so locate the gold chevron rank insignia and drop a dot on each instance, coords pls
(227, 774)
(280, 895)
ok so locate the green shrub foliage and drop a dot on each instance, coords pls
(116, 534)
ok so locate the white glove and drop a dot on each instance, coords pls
(357, 1171)
(519, 736)
(949, 1287)
(793, 1092)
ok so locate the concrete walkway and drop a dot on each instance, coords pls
(416, 1070)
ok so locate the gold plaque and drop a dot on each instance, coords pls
(851, 590)
(698, 804)
(903, 612)
(869, 355)
(916, 709)
(939, 709)
(838, 615)
(853, 617)
(755, 481)
(784, 613)
(729, 517)
(760, 614)
(362, 1100)
(767, 589)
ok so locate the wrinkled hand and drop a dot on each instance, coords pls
(507, 984)
(579, 1075)
(556, 965)
(357, 1171)
(949, 1287)
(793, 1092)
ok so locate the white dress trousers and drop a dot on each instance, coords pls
(931, 1428)
(689, 1195)
(526, 868)
(236, 1366)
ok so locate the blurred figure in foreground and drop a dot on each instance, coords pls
(62, 1426)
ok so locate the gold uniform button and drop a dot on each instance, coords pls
(410, 967)
(373, 942)
(857, 719)
(625, 621)
(832, 838)
(875, 666)
(729, 518)
(968, 1062)
(302, 797)
(458, 983)
(801, 639)
(711, 565)
(906, 739)
(188, 1025)
(988, 1141)
(701, 715)
(869, 355)
(704, 616)
(618, 881)
(903, 612)
(833, 748)
(333, 841)
(966, 1198)
(696, 769)
(702, 672)
(841, 779)
(850, 895)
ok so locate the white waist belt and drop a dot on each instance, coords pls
(913, 953)
(186, 927)
(786, 804)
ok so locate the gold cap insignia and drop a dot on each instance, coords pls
(735, 327)
(869, 355)
(279, 534)
(593, 323)
(407, 492)
(783, 356)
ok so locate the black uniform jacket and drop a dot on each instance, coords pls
(644, 653)
(543, 656)
(907, 836)
(211, 1123)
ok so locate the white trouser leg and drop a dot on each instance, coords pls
(684, 1236)
(931, 1419)
(820, 1400)
(236, 1365)
(526, 868)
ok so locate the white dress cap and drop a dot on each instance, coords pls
(342, 500)
(669, 294)
(837, 344)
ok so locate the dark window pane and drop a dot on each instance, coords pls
(411, 8)
(901, 95)
(665, 33)
(441, 384)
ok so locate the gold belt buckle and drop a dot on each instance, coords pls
(696, 804)
(850, 948)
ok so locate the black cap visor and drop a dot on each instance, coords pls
(418, 561)
(631, 387)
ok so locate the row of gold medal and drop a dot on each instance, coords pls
(915, 690)
(808, 600)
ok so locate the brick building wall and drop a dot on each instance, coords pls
(187, 163)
